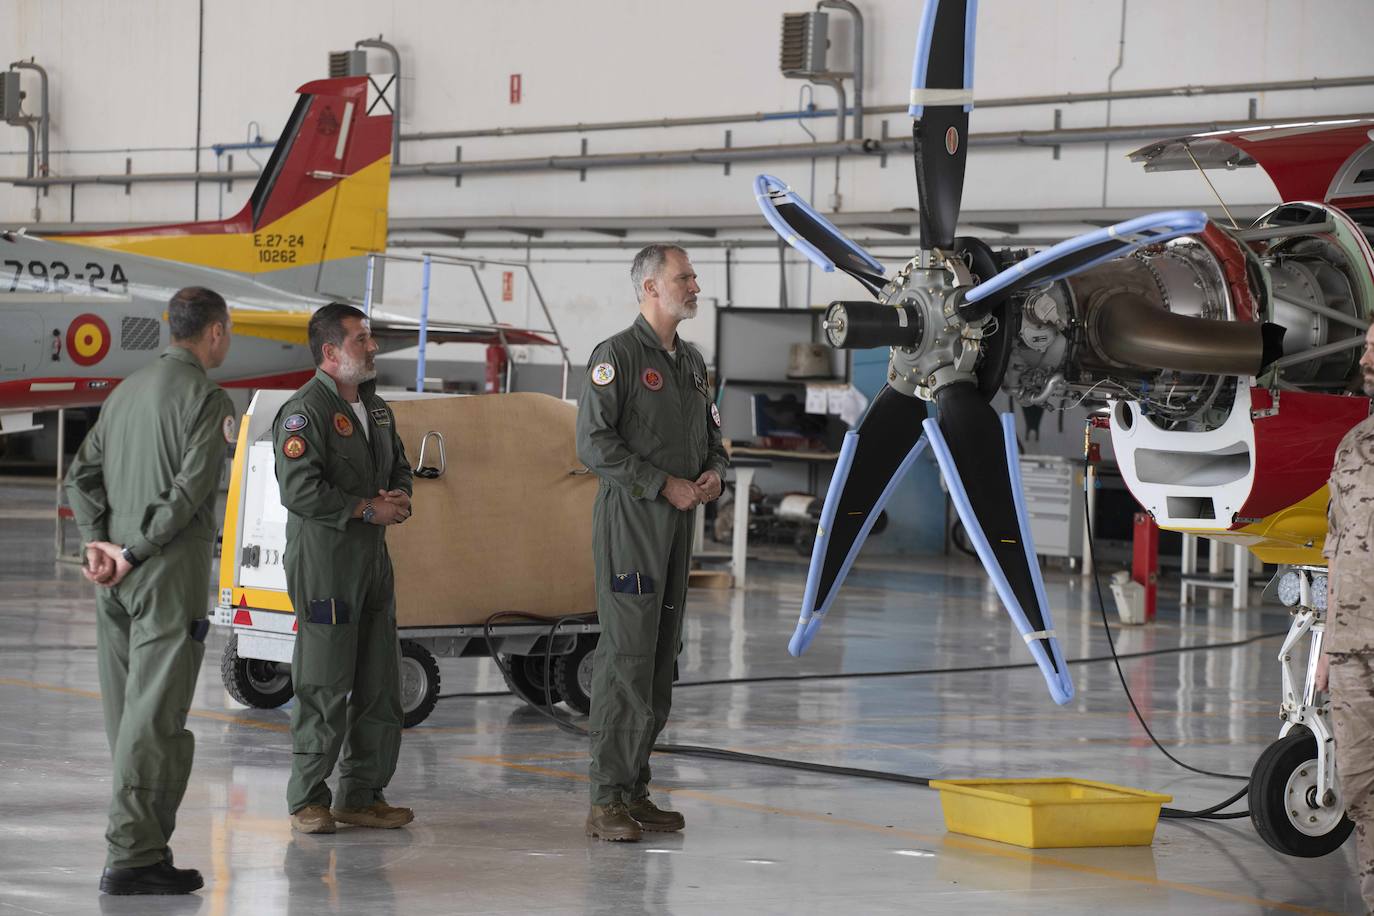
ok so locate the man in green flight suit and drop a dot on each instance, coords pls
(648, 428)
(344, 477)
(142, 489)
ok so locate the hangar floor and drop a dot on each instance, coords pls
(501, 794)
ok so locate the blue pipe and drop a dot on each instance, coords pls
(424, 325)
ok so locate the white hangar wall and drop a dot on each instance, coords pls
(124, 84)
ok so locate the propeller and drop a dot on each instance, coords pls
(948, 318)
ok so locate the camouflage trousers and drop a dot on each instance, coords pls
(1352, 714)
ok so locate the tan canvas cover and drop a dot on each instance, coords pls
(508, 527)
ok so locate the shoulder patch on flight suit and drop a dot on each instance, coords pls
(603, 374)
(652, 379)
(231, 429)
(342, 425)
(293, 447)
(381, 416)
(297, 421)
(715, 415)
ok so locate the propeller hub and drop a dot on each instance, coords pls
(931, 286)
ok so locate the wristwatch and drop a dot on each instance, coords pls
(369, 512)
(129, 557)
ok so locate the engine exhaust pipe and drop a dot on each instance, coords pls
(1133, 332)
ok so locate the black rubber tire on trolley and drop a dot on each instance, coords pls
(252, 681)
(1283, 803)
(419, 683)
(527, 675)
(572, 674)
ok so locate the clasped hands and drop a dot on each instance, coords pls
(687, 494)
(390, 507)
(104, 563)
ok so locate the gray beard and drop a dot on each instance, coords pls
(355, 372)
(682, 311)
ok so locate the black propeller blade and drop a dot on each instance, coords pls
(974, 436)
(941, 97)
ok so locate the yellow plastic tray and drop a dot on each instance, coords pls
(1042, 813)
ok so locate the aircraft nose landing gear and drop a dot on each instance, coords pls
(1295, 800)
(1285, 806)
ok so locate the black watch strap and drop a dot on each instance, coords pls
(129, 557)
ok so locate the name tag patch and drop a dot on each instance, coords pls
(381, 416)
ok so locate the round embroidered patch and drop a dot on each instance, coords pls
(231, 429)
(652, 379)
(293, 448)
(603, 374)
(295, 422)
(715, 416)
(342, 425)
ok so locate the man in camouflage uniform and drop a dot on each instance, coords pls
(344, 477)
(142, 488)
(1349, 645)
(648, 428)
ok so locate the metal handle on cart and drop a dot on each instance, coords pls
(430, 473)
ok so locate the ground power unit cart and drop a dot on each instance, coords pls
(496, 559)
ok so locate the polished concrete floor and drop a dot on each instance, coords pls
(500, 794)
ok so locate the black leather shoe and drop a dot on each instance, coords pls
(160, 878)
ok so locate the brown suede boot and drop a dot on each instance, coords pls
(312, 819)
(653, 818)
(377, 814)
(613, 822)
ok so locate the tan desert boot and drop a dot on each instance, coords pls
(312, 819)
(653, 818)
(613, 822)
(377, 814)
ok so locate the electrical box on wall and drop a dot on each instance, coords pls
(347, 63)
(804, 43)
(10, 97)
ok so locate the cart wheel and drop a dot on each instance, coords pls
(1283, 800)
(419, 683)
(573, 674)
(527, 675)
(252, 681)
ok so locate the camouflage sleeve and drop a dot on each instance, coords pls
(299, 450)
(599, 443)
(85, 485)
(202, 462)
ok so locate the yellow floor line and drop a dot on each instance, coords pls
(965, 844)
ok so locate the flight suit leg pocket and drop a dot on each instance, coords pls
(632, 583)
(327, 637)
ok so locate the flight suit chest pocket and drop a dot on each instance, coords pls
(640, 434)
(347, 472)
(326, 644)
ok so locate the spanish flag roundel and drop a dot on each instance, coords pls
(88, 339)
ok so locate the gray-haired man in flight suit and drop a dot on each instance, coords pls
(647, 427)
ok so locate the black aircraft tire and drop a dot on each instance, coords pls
(419, 683)
(1282, 797)
(572, 673)
(254, 682)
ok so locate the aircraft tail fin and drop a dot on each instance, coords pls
(318, 209)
